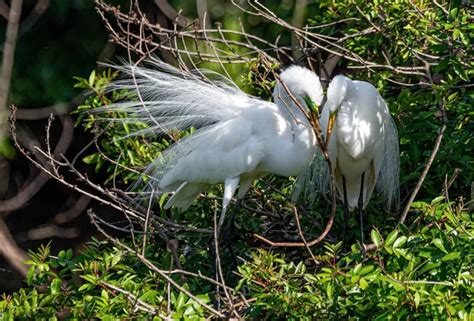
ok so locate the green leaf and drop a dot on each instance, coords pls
(91, 159)
(357, 268)
(92, 79)
(329, 290)
(417, 299)
(56, 286)
(451, 256)
(439, 244)
(391, 238)
(437, 200)
(376, 239)
(400, 241)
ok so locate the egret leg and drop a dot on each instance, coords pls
(230, 186)
(346, 209)
(228, 231)
(360, 205)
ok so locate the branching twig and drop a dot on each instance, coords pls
(436, 146)
(24, 195)
(162, 273)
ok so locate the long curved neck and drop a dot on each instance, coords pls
(338, 89)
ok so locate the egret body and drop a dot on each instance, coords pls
(239, 138)
(362, 143)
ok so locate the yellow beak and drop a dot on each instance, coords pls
(332, 119)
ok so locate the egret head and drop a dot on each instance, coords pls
(337, 92)
(302, 84)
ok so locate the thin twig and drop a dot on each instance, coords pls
(162, 273)
(436, 146)
(300, 232)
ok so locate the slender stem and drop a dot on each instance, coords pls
(437, 144)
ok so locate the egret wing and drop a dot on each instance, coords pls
(227, 149)
(388, 179)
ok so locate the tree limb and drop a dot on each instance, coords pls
(8, 61)
(10, 250)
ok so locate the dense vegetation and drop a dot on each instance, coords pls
(420, 269)
(424, 272)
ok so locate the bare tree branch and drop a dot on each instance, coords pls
(4, 9)
(8, 61)
(39, 9)
(50, 230)
(10, 251)
(79, 206)
(172, 14)
(23, 196)
(45, 112)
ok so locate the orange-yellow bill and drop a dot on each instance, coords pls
(332, 119)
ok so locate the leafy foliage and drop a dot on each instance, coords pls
(85, 287)
(423, 273)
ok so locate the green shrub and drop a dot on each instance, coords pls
(421, 272)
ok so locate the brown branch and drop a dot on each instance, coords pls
(202, 10)
(24, 195)
(8, 61)
(5, 174)
(450, 182)
(10, 250)
(4, 9)
(73, 212)
(300, 232)
(39, 9)
(301, 244)
(45, 112)
(51, 230)
(172, 14)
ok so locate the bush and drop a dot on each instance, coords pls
(420, 272)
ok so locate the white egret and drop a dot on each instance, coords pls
(362, 144)
(239, 138)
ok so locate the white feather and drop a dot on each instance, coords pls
(239, 138)
(364, 140)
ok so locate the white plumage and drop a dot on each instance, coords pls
(239, 138)
(363, 143)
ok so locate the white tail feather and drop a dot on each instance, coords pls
(388, 180)
(168, 98)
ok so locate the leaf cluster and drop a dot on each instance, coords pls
(422, 273)
(102, 282)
